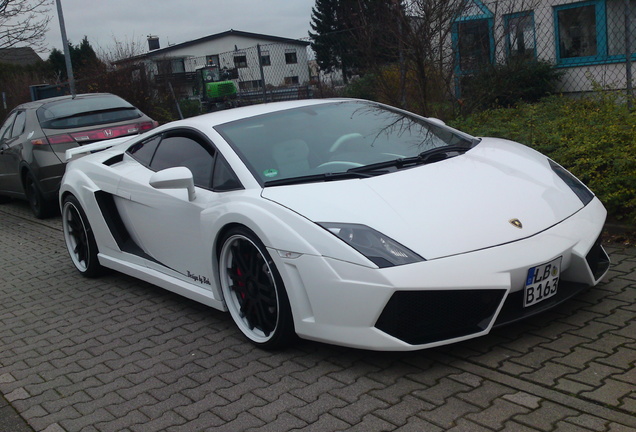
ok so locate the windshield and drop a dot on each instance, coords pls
(86, 111)
(332, 139)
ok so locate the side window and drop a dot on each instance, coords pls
(520, 35)
(145, 150)
(18, 126)
(6, 126)
(224, 178)
(187, 151)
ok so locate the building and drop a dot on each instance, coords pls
(585, 39)
(254, 61)
(19, 56)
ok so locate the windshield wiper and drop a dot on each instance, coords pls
(317, 178)
(428, 156)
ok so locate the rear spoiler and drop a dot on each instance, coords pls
(97, 146)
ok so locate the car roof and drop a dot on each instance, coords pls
(38, 103)
(226, 116)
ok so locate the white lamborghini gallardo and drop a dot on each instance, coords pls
(343, 221)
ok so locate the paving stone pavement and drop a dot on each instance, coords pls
(117, 354)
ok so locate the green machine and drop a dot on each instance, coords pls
(218, 91)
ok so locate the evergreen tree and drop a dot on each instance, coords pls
(353, 35)
(328, 35)
(83, 58)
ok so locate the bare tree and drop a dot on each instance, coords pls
(24, 22)
(428, 58)
(122, 49)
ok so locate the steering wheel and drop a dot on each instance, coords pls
(342, 164)
(343, 139)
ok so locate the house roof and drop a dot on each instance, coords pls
(19, 56)
(230, 32)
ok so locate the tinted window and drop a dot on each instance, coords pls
(18, 126)
(224, 178)
(85, 111)
(145, 150)
(6, 126)
(187, 151)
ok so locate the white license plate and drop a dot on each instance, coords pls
(542, 282)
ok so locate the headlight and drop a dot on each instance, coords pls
(581, 191)
(383, 251)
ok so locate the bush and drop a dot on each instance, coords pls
(594, 137)
(364, 87)
(506, 84)
(190, 107)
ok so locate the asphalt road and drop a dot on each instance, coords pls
(117, 354)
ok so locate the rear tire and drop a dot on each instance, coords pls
(79, 238)
(40, 207)
(253, 290)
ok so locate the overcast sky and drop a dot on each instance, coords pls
(103, 21)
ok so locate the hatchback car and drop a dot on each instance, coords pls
(35, 135)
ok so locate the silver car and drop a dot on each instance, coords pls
(35, 135)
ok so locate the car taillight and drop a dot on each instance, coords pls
(148, 125)
(54, 139)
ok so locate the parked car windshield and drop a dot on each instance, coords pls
(85, 111)
(333, 138)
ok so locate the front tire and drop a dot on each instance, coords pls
(79, 238)
(253, 290)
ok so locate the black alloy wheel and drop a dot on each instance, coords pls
(253, 290)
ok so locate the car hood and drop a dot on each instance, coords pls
(449, 207)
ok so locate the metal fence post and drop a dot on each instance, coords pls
(260, 67)
(628, 56)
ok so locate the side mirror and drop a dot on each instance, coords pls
(436, 121)
(174, 178)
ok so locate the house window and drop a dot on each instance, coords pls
(291, 80)
(577, 31)
(616, 27)
(250, 85)
(520, 35)
(474, 44)
(171, 66)
(240, 60)
(212, 60)
(473, 39)
(265, 58)
(291, 57)
(592, 32)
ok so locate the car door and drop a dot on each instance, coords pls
(169, 227)
(10, 152)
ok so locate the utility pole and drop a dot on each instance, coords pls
(67, 53)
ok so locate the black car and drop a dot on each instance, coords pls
(35, 136)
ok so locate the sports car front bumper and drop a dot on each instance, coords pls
(439, 301)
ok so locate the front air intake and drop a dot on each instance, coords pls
(598, 260)
(421, 317)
